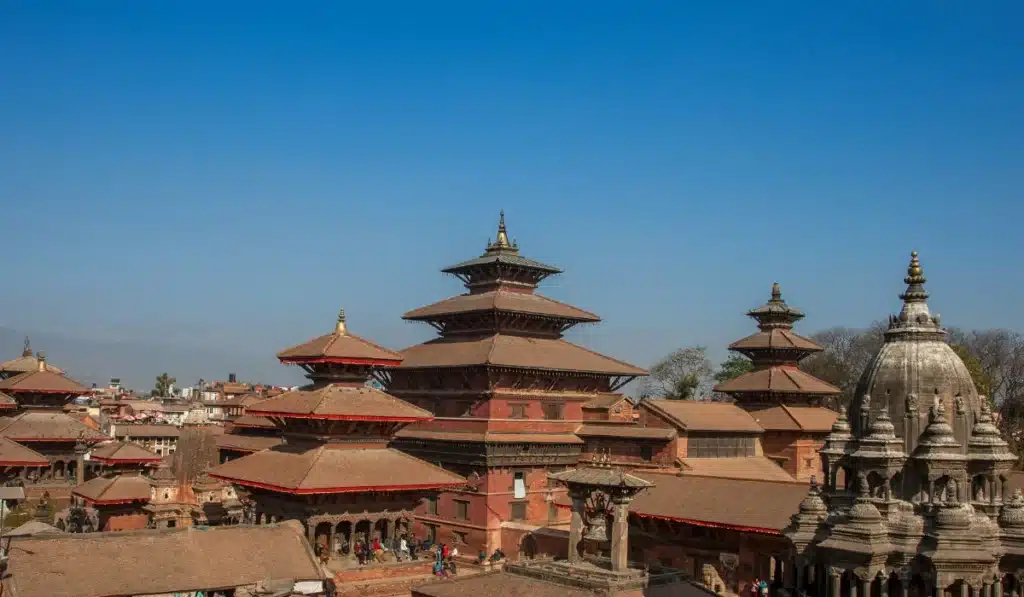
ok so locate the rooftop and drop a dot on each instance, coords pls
(813, 419)
(41, 382)
(116, 489)
(37, 426)
(121, 430)
(514, 351)
(340, 403)
(780, 379)
(152, 562)
(123, 453)
(14, 454)
(340, 347)
(694, 415)
(330, 469)
(502, 300)
(739, 467)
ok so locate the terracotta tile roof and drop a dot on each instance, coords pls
(513, 351)
(784, 379)
(502, 300)
(146, 431)
(246, 443)
(42, 382)
(334, 470)
(814, 419)
(740, 467)
(339, 347)
(338, 402)
(758, 506)
(489, 437)
(699, 415)
(7, 402)
(503, 257)
(121, 452)
(118, 489)
(86, 419)
(249, 420)
(604, 402)
(25, 363)
(777, 339)
(627, 431)
(33, 527)
(164, 561)
(34, 426)
(14, 454)
(237, 400)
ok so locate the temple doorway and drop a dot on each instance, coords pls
(528, 547)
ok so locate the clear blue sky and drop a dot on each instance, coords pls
(230, 174)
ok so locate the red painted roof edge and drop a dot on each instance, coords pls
(336, 489)
(340, 361)
(268, 413)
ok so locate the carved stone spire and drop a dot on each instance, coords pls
(914, 318)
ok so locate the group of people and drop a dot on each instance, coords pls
(759, 588)
(444, 560)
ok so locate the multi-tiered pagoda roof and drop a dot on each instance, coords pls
(776, 351)
(502, 322)
(336, 430)
(26, 362)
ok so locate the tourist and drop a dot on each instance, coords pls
(755, 587)
(360, 554)
(451, 566)
(444, 551)
(403, 549)
(763, 588)
(454, 553)
(481, 557)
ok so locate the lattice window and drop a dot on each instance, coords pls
(518, 510)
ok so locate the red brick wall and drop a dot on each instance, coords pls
(126, 522)
(800, 451)
(628, 452)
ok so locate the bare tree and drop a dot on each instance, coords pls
(847, 353)
(683, 375)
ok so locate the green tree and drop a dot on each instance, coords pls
(982, 382)
(683, 375)
(163, 385)
(733, 367)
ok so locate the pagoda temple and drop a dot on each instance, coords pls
(334, 469)
(507, 391)
(784, 400)
(25, 363)
(35, 399)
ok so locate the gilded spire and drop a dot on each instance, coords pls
(27, 351)
(340, 328)
(776, 292)
(915, 281)
(501, 241)
(776, 313)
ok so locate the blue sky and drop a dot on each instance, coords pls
(227, 175)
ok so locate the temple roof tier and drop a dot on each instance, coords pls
(601, 477)
(249, 421)
(14, 454)
(39, 426)
(118, 489)
(813, 419)
(26, 362)
(340, 403)
(490, 437)
(246, 443)
(6, 402)
(501, 265)
(328, 470)
(340, 347)
(41, 381)
(520, 352)
(502, 300)
(781, 379)
(776, 313)
(123, 453)
(778, 340)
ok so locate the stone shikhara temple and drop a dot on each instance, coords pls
(917, 488)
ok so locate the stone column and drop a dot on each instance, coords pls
(865, 587)
(854, 581)
(883, 586)
(965, 589)
(80, 449)
(835, 585)
(576, 526)
(620, 533)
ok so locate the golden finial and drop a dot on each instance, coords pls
(41, 356)
(27, 350)
(340, 329)
(501, 241)
(914, 272)
(776, 292)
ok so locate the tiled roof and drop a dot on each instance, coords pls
(502, 300)
(497, 583)
(334, 470)
(146, 431)
(246, 443)
(776, 338)
(121, 452)
(513, 351)
(248, 420)
(118, 489)
(740, 467)
(43, 426)
(33, 527)
(7, 402)
(341, 348)
(783, 379)
(42, 382)
(25, 363)
(489, 437)
(507, 258)
(605, 401)
(14, 454)
(694, 415)
(815, 419)
(151, 562)
(764, 506)
(339, 402)
(628, 430)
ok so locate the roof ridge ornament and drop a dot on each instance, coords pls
(27, 350)
(501, 240)
(340, 328)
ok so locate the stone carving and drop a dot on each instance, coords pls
(911, 403)
(959, 400)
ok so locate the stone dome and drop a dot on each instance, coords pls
(914, 368)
